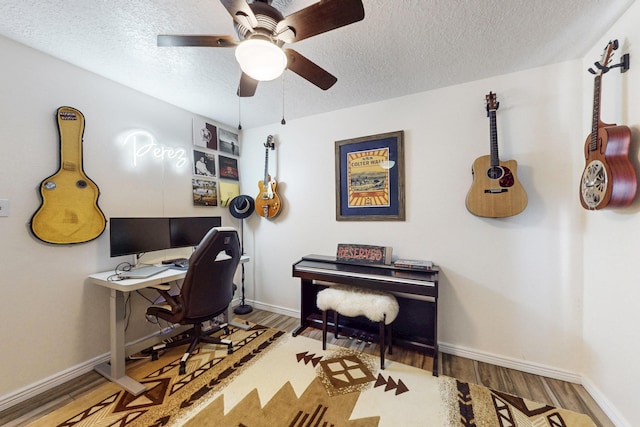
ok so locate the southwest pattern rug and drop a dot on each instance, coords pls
(273, 379)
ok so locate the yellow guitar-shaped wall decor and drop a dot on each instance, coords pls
(69, 211)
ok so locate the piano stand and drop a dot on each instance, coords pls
(416, 291)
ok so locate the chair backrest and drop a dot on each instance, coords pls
(207, 289)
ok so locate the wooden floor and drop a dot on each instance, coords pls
(546, 390)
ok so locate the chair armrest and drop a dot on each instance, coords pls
(162, 286)
(174, 301)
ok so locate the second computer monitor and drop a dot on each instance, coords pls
(189, 231)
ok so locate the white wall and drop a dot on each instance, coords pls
(521, 291)
(548, 291)
(510, 288)
(52, 318)
(612, 244)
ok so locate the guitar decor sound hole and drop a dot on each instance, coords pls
(81, 183)
(594, 184)
(495, 172)
(49, 185)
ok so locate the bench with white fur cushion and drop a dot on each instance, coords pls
(350, 301)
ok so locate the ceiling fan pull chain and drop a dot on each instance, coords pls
(239, 114)
(283, 121)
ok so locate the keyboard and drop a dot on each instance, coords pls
(143, 272)
(177, 262)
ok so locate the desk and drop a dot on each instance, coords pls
(114, 369)
(416, 291)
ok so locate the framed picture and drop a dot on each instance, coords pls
(370, 178)
(228, 168)
(205, 134)
(205, 192)
(204, 163)
(228, 142)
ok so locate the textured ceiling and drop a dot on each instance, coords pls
(401, 47)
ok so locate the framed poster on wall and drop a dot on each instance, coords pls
(370, 178)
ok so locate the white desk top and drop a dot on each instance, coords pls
(128, 285)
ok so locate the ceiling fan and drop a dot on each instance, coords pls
(261, 33)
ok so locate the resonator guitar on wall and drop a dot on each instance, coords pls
(609, 178)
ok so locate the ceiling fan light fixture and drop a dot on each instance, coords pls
(261, 59)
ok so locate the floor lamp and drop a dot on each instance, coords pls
(242, 207)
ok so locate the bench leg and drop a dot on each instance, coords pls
(324, 329)
(383, 343)
(335, 323)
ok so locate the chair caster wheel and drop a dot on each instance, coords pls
(226, 331)
(230, 351)
(155, 356)
(183, 369)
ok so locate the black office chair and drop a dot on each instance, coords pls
(206, 292)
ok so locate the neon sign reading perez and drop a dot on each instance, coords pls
(145, 144)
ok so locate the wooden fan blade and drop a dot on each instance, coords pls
(195, 40)
(309, 70)
(319, 18)
(247, 86)
(241, 13)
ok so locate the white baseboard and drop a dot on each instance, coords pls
(32, 390)
(55, 380)
(614, 415)
(16, 397)
(273, 308)
(507, 362)
(546, 371)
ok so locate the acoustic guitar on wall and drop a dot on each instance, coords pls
(609, 178)
(268, 203)
(496, 191)
(69, 211)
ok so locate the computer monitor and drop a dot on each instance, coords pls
(138, 235)
(189, 231)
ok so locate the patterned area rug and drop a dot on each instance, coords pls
(273, 379)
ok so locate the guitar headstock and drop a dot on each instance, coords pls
(605, 60)
(269, 143)
(492, 102)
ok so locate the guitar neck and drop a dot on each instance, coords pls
(71, 125)
(493, 133)
(266, 166)
(595, 117)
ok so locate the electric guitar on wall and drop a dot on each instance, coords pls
(268, 203)
(495, 191)
(69, 211)
(609, 178)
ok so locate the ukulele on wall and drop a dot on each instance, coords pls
(608, 179)
(69, 211)
(268, 203)
(495, 191)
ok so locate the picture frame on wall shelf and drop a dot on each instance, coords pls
(204, 164)
(228, 191)
(369, 176)
(205, 192)
(228, 142)
(228, 168)
(205, 134)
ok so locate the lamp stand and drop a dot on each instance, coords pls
(242, 308)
